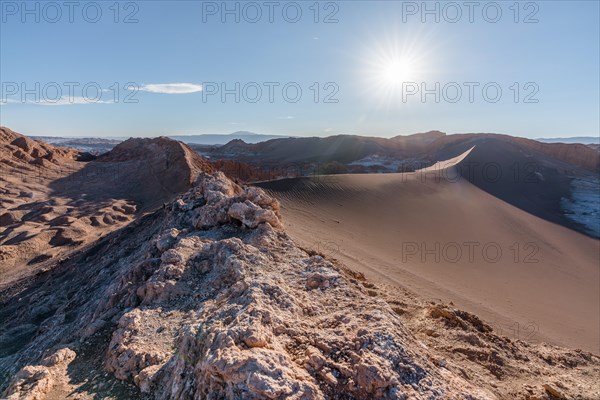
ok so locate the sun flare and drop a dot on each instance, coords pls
(391, 61)
(395, 72)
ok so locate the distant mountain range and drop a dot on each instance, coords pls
(578, 139)
(361, 154)
(368, 150)
(220, 139)
(208, 139)
(251, 137)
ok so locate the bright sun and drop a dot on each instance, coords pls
(395, 72)
(389, 62)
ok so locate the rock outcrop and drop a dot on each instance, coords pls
(35, 382)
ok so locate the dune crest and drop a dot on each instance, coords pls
(445, 164)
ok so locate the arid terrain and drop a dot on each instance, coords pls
(55, 199)
(446, 238)
(145, 273)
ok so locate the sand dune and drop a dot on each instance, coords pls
(519, 173)
(447, 164)
(533, 176)
(441, 238)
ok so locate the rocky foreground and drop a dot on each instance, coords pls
(208, 298)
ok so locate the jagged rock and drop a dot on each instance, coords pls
(553, 392)
(93, 328)
(64, 355)
(34, 382)
(259, 197)
(166, 240)
(322, 278)
(146, 377)
(128, 355)
(252, 215)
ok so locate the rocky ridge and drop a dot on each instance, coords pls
(221, 303)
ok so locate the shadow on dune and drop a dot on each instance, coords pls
(523, 177)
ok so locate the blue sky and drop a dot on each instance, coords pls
(362, 68)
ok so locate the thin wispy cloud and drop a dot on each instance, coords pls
(63, 101)
(287, 117)
(171, 88)
(68, 101)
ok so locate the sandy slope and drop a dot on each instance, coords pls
(544, 286)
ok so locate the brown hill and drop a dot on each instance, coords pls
(56, 200)
(242, 172)
(422, 139)
(147, 171)
(340, 148)
(18, 148)
(35, 223)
